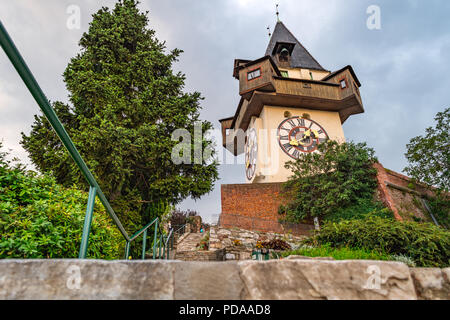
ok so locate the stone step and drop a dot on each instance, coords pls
(199, 255)
(187, 250)
(190, 242)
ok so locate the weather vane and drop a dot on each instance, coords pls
(268, 29)
(278, 14)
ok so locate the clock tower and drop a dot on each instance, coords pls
(289, 104)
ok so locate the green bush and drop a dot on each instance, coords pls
(336, 177)
(426, 244)
(362, 209)
(41, 219)
(276, 244)
(440, 206)
(204, 243)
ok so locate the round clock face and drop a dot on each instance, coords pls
(297, 135)
(251, 152)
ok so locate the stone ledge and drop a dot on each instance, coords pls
(68, 279)
(270, 280)
(431, 283)
(327, 280)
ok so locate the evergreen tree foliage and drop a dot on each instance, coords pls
(125, 102)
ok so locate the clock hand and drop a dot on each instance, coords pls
(305, 136)
(309, 134)
(294, 142)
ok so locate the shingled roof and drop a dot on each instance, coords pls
(300, 57)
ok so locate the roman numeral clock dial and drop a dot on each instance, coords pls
(297, 136)
(251, 153)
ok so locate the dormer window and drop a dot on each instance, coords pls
(282, 53)
(343, 83)
(253, 74)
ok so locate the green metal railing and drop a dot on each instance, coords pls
(94, 191)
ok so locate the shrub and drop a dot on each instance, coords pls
(335, 177)
(426, 244)
(41, 219)
(440, 206)
(276, 244)
(204, 243)
(180, 217)
(405, 259)
(362, 209)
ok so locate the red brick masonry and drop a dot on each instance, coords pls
(255, 206)
(385, 177)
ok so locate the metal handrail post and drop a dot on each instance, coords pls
(144, 240)
(127, 250)
(164, 248)
(154, 239)
(87, 223)
(159, 247)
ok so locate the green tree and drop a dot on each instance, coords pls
(429, 162)
(336, 177)
(429, 155)
(125, 102)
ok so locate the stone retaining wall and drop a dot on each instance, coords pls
(198, 255)
(271, 280)
(226, 240)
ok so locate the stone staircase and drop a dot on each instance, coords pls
(189, 243)
(187, 249)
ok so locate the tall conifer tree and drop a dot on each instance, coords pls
(125, 102)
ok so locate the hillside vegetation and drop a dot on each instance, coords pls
(41, 219)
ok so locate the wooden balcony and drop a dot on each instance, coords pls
(271, 89)
(338, 92)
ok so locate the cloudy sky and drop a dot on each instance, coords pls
(403, 67)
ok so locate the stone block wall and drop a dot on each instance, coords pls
(76, 279)
(197, 255)
(238, 244)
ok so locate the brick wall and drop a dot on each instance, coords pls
(259, 200)
(388, 180)
(255, 207)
